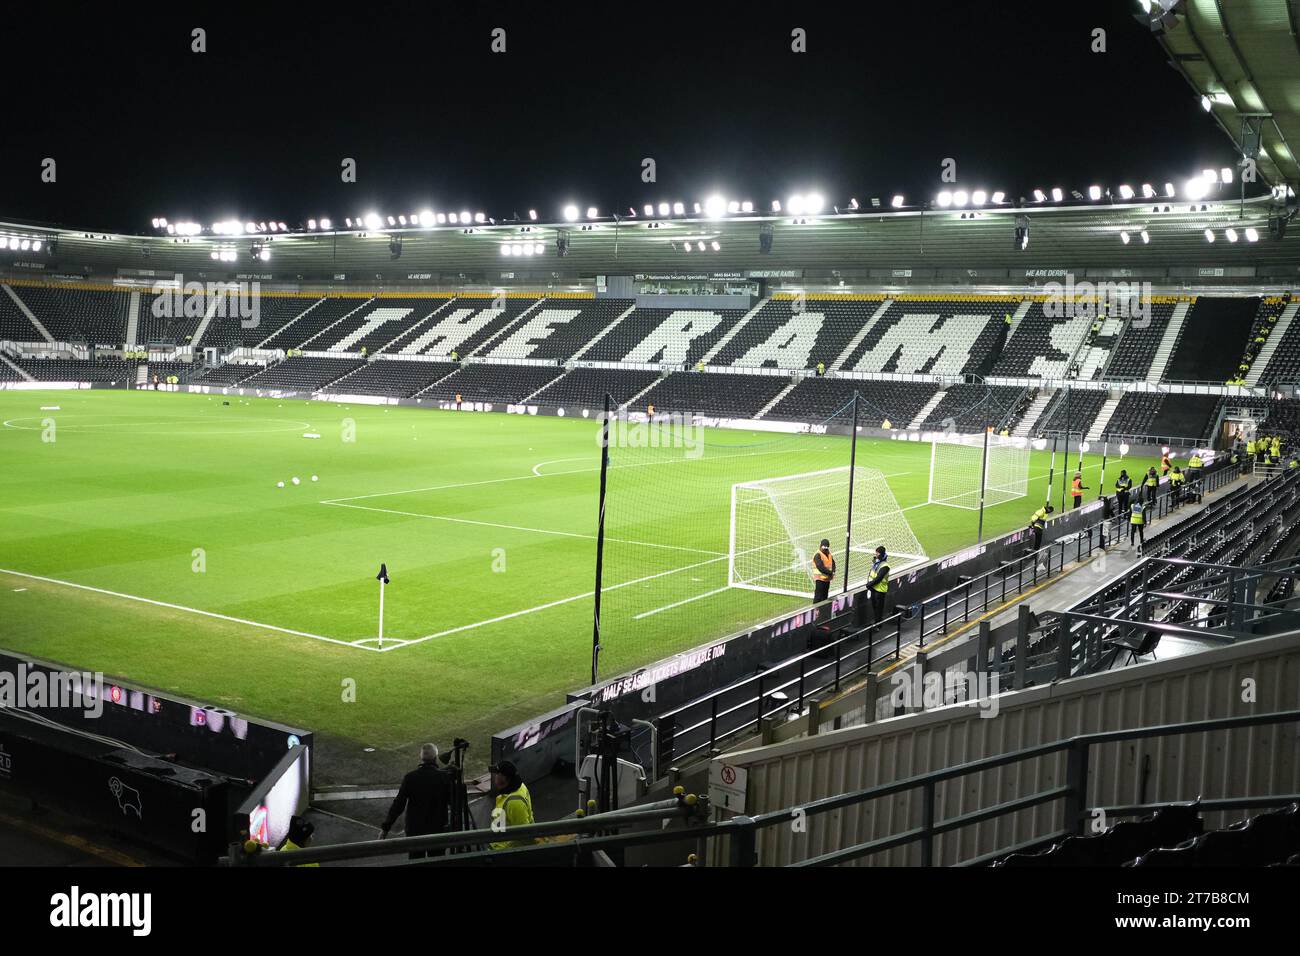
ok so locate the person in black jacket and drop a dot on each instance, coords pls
(425, 796)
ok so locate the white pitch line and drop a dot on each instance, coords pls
(557, 474)
(514, 527)
(179, 607)
(669, 607)
(551, 604)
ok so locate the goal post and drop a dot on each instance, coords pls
(777, 525)
(960, 468)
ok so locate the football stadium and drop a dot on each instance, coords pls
(953, 524)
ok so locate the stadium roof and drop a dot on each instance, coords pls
(1243, 58)
(874, 244)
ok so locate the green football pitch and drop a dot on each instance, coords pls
(145, 535)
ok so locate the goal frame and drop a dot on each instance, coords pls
(897, 561)
(980, 492)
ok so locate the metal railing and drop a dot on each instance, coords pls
(786, 687)
(579, 838)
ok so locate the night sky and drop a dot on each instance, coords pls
(257, 126)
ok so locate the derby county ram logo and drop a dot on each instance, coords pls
(128, 798)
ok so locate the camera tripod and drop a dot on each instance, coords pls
(461, 819)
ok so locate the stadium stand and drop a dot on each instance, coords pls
(1212, 323)
(78, 370)
(1185, 416)
(796, 334)
(303, 373)
(1075, 409)
(664, 336)
(1139, 342)
(714, 393)
(940, 336)
(401, 379)
(828, 400)
(459, 325)
(274, 312)
(90, 315)
(226, 375)
(299, 331)
(375, 324)
(479, 382)
(972, 408)
(587, 387)
(1135, 414)
(555, 329)
(1043, 344)
(14, 324)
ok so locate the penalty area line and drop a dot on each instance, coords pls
(550, 604)
(182, 607)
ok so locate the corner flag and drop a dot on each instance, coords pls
(382, 578)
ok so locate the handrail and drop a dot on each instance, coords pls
(596, 832)
(759, 703)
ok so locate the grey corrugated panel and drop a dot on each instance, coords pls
(1252, 761)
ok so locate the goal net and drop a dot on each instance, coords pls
(958, 470)
(777, 525)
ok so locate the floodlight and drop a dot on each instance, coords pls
(1146, 237)
(733, 206)
(945, 199)
(998, 197)
(664, 209)
(464, 218)
(537, 248)
(1123, 237)
(1126, 192)
(1225, 175)
(36, 244)
(978, 197)
(814, 203)
(505, 250)
(1231, 234)
(960, 198)
(373, 221)
(426, 218)
(1094, 193)
(897, 202)
(1057, 194)
(1196, 189)
(1209, 235)
(592, 212)
(747, 206)
(1252, 235)
(1148, 191)
(794, 205)
(715, 245)
(1170, 192)
(1039, 196)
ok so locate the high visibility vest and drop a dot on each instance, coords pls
(1076, 487)
(1250, 448)
(1123, 483)
(1195, 462)
(1152, 480)
(290, 845)
(516, 810)
(1039, 520)
(1137, 515)
(820, 571)
(1164, 462)
(882, 587)
(1294, 464)
(1177, 478)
